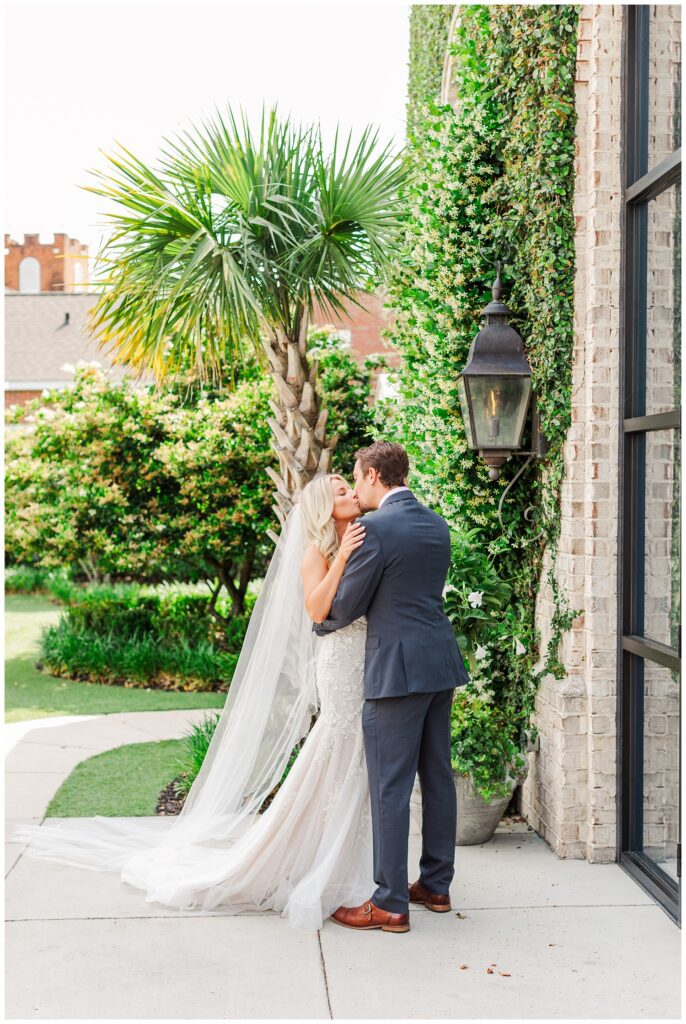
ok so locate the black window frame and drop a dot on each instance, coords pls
(640, 184)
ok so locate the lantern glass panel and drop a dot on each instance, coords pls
(466, 418)
(499, 406)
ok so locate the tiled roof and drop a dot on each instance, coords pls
(39, 341)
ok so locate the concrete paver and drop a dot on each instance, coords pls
(578, 940)
(599, 967)
(495, 875)
(161, 968)
(27, 794)
(40, 889)
(49, 758)
(102, 732)
(13, 849)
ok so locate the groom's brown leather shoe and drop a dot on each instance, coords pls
(369, 916)
(431, 900)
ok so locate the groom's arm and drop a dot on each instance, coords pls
(357, 586)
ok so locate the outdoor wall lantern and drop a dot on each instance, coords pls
(495, 386)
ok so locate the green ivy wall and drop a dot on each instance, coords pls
(494, 178)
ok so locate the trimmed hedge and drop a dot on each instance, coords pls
(118, 635)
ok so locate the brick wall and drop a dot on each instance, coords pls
(365, 326)
(58, 261)
(19, 397)
(570, 793)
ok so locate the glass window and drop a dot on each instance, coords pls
(660, 451)
(663, 298)
(661, 744)
(664, 81)
(651, 494)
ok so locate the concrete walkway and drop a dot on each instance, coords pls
(574, 940)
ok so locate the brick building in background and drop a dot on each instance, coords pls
(47, 302)
(35, 266)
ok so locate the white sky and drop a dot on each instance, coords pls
(79, 77)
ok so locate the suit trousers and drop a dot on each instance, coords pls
(405, 737)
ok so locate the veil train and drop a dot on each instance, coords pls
(268, 709)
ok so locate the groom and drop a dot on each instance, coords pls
(412, 665)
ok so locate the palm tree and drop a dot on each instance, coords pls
(228, 245)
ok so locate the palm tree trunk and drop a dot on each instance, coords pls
(299, 424)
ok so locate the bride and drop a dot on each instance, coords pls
(310, 851)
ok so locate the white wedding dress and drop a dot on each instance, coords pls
(310, 852)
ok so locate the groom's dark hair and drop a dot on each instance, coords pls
(389, 458)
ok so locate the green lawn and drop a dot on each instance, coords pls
(120, 783)
(33, 694)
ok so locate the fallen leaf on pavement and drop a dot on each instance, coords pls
(505, 974)
(489, 970)
(463, 967)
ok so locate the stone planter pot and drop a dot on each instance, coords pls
(477, 820)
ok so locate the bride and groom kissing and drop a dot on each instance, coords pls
(390, 571)
(349, 633)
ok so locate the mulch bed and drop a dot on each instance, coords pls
(170, 801)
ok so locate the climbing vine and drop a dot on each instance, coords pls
(429, 25)
(495, 179)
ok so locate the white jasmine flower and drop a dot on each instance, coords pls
(475, 598)
(480, 652)
(519, 647)
(45, 393)
(68, 368)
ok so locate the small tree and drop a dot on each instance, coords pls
(125, 483)
(227, 246)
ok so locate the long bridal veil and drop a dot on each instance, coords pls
(268, 709)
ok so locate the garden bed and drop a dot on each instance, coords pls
(122, 636)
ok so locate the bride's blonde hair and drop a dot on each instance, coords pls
(316, 505)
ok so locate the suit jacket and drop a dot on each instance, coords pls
(396, 578)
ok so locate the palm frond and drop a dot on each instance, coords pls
(233, 232)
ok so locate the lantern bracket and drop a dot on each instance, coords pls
(531, 510)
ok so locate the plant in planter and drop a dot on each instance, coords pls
(487, 763)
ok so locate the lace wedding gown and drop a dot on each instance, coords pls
(311, 850)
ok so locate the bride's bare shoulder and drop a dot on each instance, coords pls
(313, 559)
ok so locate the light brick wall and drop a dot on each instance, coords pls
(570, 793)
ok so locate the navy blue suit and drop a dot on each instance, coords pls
(412, 666)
